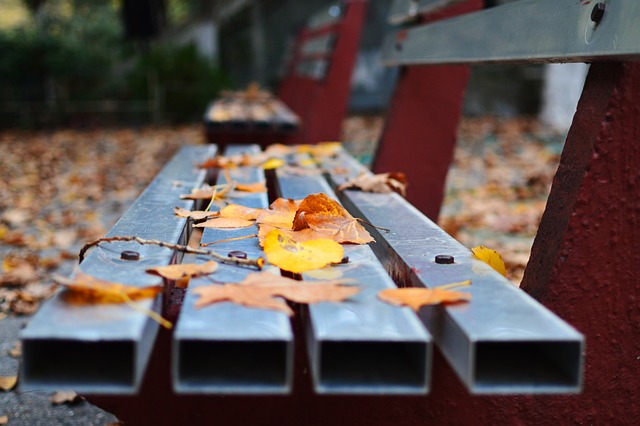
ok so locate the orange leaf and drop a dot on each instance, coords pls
(195, 214)
(415, 298)
(225, 223)
(267, 290)
(323, 214)
(292, 256)
(280, 213)
(491, 258)
(240, 212)
(184, 270)
(8, 382)
(207, 193)
(251, 187)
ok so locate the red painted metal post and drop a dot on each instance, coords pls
(421, 124)
(322, 104)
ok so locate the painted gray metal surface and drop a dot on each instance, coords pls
(503, 341)
(319, 45)
(362, 346)
(406, 10)
(539, 31)
(227, 348)
(104, 349)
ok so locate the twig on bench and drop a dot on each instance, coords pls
(372, 225)
(255, 263)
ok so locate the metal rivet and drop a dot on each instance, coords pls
(130, 255)
(444, 259)
(598, 12)
(238, 254)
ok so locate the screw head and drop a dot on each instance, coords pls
(129, 255)
(444, 259)
(237, 254)
(598, 12)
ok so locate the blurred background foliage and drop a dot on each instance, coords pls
(63, 60)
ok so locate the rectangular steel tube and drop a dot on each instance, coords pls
(405, 10)
(539, 31)
(362, 346)
(227, 348)
(102, 349)
(502, 341)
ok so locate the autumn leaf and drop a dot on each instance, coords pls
(251, 187)
(415, 298)
(194, 214)
(85, 289)
(273, 163)
(64, 397)
(4, 420)
(240, 212)
(323, 214)
(491, 258)
(295, 257)
(184, 270)
(297, 236)
(8, 382)
(382, 183)
(280, 213)
(208, 192)
(267, 290)
(225, 223)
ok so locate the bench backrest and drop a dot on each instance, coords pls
(318, 78)
(584, 262)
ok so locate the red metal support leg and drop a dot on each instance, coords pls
(421, 125)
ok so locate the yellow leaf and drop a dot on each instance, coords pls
(251, 187)
(273, 163)
(491, 258)
(289, 255)
(8, 382)
(184, 270)
(241, 212)
(225, 223)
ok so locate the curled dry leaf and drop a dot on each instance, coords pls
(194, 214)
(415, 298)
(251, 187)
(208, 192)
(323, 214)
(240, 212)
(225, 223)
(280, 213)
(379, 183)
(268, 291)
(491, 258)
(8, 382)
(295, 257)
(184, 270)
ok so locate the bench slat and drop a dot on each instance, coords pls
(502, 341)
(535, 31)
(226, 348)
(405, 10)
(103, 349)
(362, 346)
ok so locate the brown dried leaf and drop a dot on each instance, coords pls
(382, 183)
(16, 351)
(323, 214)
(17, 272)
(4, 420)
(266, 290)
(184, 270)
(280, 213)
(86, 289)
(251, 187)
(240, 212)
(194, 214)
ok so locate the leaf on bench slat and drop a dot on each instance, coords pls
(382, 183)
(491, 258)
(287, 254)
(184, 270)
(225, 223)
(416, 298)
(268, 291)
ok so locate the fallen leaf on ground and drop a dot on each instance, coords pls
(280, 213)
(8, 382)
(64, 397)
(184, 270)
(491, 258)
(16, 351)
(267, 290)
(415, 298)
(382, 183)
(4, 420)
(17, 272)
(225, 223)
(241, 212)
(194, 214)
(285, 253)
(323, 214)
